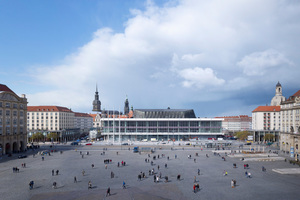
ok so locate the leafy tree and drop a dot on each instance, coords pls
(37, 137)
(269, 137)
(242, 135)
(52, 136)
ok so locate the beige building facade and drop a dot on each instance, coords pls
(52, 119)
(290, 114)
(13, 109)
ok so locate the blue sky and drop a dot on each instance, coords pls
(219, 58)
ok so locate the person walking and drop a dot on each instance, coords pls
(83, 172)
(198, 171)
(108, 191)
(57, 171)
(232, 183)
(54, 185)
(195, 179)
(31, 183)
(75, 179)
(194, 188)
(52, 172)
(124, 185)
(89, 185)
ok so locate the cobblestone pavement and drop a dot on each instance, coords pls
(213, 184)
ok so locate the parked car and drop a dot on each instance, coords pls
(22, 156)
(125, 143)
(88, 143)
(74, 143)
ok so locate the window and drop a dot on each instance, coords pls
(7, 112)
(7, 130)
(0, 104)
(14, 113)
(0, 112)
(15, 105)
(15, 130)
(7, 105)
(21, 106)
(21, 113)
(7, 121)
(0, 121)
(1, 132)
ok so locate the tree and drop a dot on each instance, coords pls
(269, 137)
(242, 135)
(52, 136)
(37, 137)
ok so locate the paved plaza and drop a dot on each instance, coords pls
(213, 184)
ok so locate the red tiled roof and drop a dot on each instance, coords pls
(77, 114)
(48, 109)
(297, 93)
(4, 88)
(267, 109)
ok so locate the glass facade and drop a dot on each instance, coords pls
(111, 125)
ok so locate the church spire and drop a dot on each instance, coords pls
(96, 102)
(126, 106)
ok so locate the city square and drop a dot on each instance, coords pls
(213, 184)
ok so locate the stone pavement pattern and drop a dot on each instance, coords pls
(213, 185)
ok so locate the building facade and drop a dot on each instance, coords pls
(290, 114)
(236, 123)
(266, 118)
(13, 109)
(137, 129)
(289, 144)
(52, 119)
(83, 122)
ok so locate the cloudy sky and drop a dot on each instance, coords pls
(217, 57)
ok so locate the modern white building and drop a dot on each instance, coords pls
(266, 118)
(269, 117)
(137, 129)
(13, 109)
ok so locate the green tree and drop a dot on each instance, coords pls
(242, 135)
(37, 137)
(52, 136)
(269, 137)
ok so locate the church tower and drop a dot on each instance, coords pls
(126, 106)
(96, 102)
(278, 98)
(278, 89)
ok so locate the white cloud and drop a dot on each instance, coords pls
(259, 63)
(166, 53)
(200, 78)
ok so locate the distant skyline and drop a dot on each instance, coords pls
(220, 58)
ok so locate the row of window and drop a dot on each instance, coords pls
(10, 121)
(11, 105)
(14, 113)
(163, 130)
(9, 130)
(164, 123)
